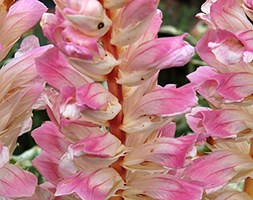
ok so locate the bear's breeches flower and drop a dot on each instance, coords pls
(103, 133)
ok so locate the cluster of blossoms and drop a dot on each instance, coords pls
(227, 47)
(20, 89)
(111, 129)
(111, 134)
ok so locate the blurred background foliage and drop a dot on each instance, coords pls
(178, 17)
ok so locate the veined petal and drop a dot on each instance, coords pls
(160, 53)
(229, 15)
(14, 111)
(132, 21)
(134, 140)
(57, 72)
(97, 68)
(87, 16)
(221, 167)
(163, 151)
(162, 186)
(48, 165)
(24, 64)
(21, 16)
(4, 155)
(144, 124)
(152, 56)
(15, 182)
(49, 138)
(115, 4)
(103, 145)
(168, 130)
(98, 104)
(230, 195)
(219, 123)
(222, 88)
(165, 101)
(40, 194)
(150, 34)
(76, 131)
(89, 185)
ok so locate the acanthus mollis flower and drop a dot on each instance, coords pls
(221, 47)
(83, 51)
(14, 182)
(223, 88)
(163, 53)
(224, 14)
(21, 89)
(226, 127)
(15, 19)
(103, 114)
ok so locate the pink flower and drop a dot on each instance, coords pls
(222, 88)
(221, 47)
(90, 185)
(164, 186)
(61, 34)
(87, 16)
(224, 14)
(54, 68)
(14, 182)
(152, 56)
(140, 117)
(163, 152)
(20, 91)
(92, 101)
(219, 123)
(84, 52)
(21, 16)
(218, 168)
(112, 139)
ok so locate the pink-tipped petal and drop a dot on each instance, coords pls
(163, 151)
(88, 185)
(47, 165)
(162, 186)
(57, 72)
(21, 16)
(152, 56)
(15, 182)
(100, 145)
(217, 169)
(181, 100)
(222, 88)
(219, 123)
(49, 138)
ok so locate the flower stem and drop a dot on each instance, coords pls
(248, 185)
(116, 90)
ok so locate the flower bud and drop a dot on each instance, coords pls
(87, 16)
